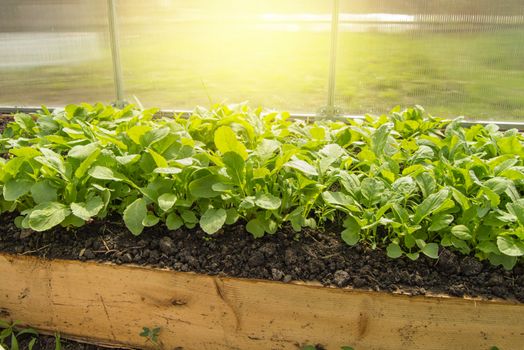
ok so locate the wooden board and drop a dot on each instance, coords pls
(111, 304)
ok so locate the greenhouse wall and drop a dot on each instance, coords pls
(452, 57)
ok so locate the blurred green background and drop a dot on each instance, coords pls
(453, 57)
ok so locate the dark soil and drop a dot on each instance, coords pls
(4, 120)
(286, 256)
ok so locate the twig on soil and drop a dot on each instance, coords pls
(105, 244)
(105, 251)
(308, 252)
(36, 251)
(330, 255)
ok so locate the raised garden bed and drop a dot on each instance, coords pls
(110, 304)
(414, 226)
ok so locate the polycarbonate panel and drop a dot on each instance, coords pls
(178, 54)
(454, 57)
(54, 52)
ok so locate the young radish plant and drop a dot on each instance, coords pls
(406, 181)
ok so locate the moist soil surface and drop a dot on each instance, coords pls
(312, 255)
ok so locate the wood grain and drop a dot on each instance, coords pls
(110, 304)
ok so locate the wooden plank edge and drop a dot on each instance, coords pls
(308, 284)
(228, 295)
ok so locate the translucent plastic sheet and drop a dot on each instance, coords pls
(454, 57)
(54, 53)
(184, 53)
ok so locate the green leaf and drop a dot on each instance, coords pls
(82, 151)
(232, 216)
(47, 215)
(498, 184)
(203, 187)
(461, 232)
(168, 170)
(508, 262)
(189, 217)
(26, 152)
(160, 161)
(394, 251)
(43, 191)
(337, 198)
(134, 215)
(487, 247)
(58, 343)
(267, 201)
(153, 136)
(509, 145)
(226, 141)
(72, 221)
(212, 220)
(14, 342)
(330, 154)
(137, 131)
(440, 222)
(379, 139)
(413, 256)
(16, 188)
(460, 244)
(510, 246)
(234, 167)
(86, 164)
(255, 227)
(30, 331)
(31, 344)
(426, 182)
(517, 209)
(25, 121)
(318, 133)
(372, 190)
(431, 250)
(302, 166)
(52, 160)
(128, 159)
(351, 234)
(173, 222)
(104, 173)
(150, 220)
(86, 210)
(404, 185)
(432, 203)
(460, 198)
(166, 201)
(333, 151)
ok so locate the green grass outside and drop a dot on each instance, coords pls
(477, 74)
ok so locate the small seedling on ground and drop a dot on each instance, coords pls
(12, 333)
(151, 335)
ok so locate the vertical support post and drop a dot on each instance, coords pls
(330, 109)
(115, 53)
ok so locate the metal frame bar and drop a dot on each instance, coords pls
(330, 111)
(115, 53)
(5, 110)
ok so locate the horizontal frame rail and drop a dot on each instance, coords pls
(504, 125)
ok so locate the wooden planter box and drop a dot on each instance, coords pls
(108, 304)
